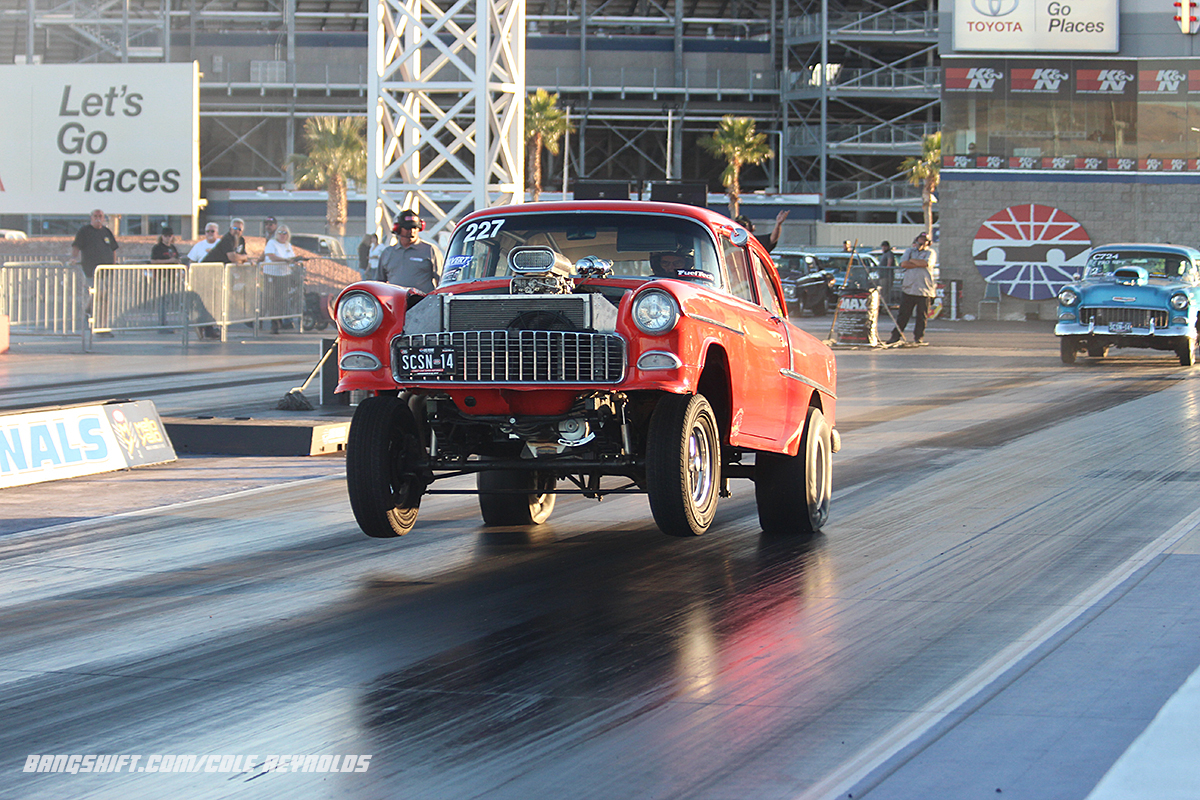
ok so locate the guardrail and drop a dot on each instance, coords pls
(44, 298)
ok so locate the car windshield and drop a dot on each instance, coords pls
(1158, 265)
(638, 245)
(789, 265)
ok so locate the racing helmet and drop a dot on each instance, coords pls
(660, 271)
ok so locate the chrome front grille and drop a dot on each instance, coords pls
(506, 356)
(1136, 317)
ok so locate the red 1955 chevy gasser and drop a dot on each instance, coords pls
(591, 348)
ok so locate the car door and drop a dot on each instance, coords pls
(760, 391)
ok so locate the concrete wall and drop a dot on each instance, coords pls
(1110, 212)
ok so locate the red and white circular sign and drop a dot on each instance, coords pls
(1031, 250)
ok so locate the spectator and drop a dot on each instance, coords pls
(165, 252)
(373, 260)
(94, 245)
(847, 246)
(887, 273)
(278, 261)
(887, 257)
(918, 288)
(200, 249)
(411, 262)
(270, 225)
(232, 247)
(776, 232)
(364, 257)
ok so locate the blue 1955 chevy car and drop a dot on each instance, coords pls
(1132, 295)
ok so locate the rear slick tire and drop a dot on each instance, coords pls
(683, 464)
(527, 498)
(779, 480)
(1186, 350)
(382, 452)
(1067, 349)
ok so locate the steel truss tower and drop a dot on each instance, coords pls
(862, 88)
(448, 85)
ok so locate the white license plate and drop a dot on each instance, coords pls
(1120, 327)
(425, 362)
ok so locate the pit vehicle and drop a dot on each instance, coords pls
(593, 348)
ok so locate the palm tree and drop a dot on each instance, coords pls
(926, 172)
(545, 123)
(337, 152)
(736, 141)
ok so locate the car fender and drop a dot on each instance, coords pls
(395, 300)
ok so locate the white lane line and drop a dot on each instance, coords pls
(91, 522)
(1162, 763)
(845, 777)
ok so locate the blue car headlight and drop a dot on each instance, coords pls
(1179, 301)
(1068, 297)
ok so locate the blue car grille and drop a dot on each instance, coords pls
(514, 356)
(1136, 317)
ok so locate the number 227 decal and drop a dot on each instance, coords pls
(478, 231)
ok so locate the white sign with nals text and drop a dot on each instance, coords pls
(124, 137)
(1045, 26)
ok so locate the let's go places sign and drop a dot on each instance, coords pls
(67, 442)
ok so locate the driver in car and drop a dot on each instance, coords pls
(669, 265)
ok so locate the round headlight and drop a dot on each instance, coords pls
(655, 312)
(1179, 301)
(1068, 297)
(359, 314)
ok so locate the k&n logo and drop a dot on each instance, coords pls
(1113, 80)
(983, 77)
(1169, 80)
(1102, 81)
(1048, 80)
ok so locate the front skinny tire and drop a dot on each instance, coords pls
(382, 451)
(683, 464)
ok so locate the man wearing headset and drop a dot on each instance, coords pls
(411, 262)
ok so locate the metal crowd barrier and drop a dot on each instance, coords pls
(141, 297)
(282, 297)
(44, 297)
(208, 297)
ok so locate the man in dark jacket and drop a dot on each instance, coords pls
(232, 247)
(94, 245)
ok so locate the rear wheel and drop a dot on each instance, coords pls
(1066, 349)
(522, 498)
(383, 449)
(780, 481)
(683, 464)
